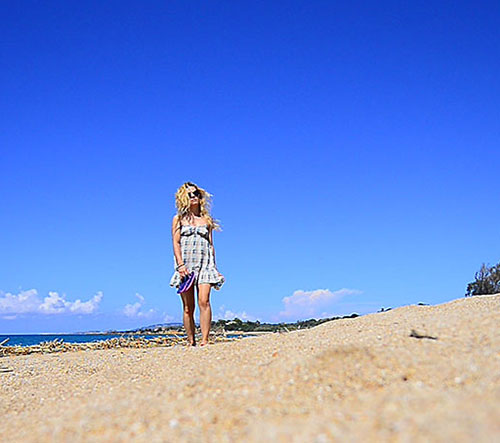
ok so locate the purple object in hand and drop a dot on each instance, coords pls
(186, 283)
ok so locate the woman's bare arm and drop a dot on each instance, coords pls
(212, 245)
(176, 240)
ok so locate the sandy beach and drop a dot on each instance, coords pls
(416, 373)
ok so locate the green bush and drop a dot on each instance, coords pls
(487, 281)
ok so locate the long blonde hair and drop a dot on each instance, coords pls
(182, 203)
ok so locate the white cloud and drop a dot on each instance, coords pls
(87, 307)
(24, 302)
(140, 297)
(133, 310)
(53, 304)
(307, 304)
(28, 302)
(167, 318)
(227, 314)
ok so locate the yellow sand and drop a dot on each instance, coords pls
(362, 379)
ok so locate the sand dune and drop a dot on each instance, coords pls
(368, 378)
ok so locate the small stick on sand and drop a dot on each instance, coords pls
(415, 334)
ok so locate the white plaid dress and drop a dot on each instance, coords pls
(197, 255)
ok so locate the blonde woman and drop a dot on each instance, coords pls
(194, 252)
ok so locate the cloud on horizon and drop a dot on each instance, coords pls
(227, 314)
(134, 310)
(312, 304)
(29, 302)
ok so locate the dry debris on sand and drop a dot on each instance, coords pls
(417, 373)
(126, 341)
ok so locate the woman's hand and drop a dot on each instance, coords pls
(183, 271)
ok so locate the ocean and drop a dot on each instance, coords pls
(35, 339)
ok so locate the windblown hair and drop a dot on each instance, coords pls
(183, 205)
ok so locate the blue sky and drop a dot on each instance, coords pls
(352, 149)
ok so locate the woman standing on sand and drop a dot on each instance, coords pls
(194, 253)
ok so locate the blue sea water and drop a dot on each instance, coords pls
(35, 339)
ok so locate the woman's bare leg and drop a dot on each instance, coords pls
(188, 316)
(205, 311)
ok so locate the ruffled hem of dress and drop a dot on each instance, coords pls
(210, 276)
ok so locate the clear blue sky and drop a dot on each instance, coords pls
(352, 149)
